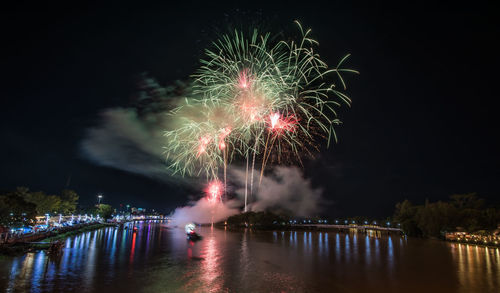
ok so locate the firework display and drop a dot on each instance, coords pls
(256, 99)
(214, 191)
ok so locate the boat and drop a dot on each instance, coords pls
(191, 234)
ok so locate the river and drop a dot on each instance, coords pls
(158, 258)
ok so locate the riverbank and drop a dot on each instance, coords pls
(50, 237)
(483, 238)
(476, 243)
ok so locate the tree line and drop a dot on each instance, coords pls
(38, 202)
(464, 212)
(259, 220)
(21, 206)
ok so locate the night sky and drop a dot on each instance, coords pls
(423, 122)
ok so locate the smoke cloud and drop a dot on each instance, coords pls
(284, 190)
(131, 139)
(125, 142)
(203, 211)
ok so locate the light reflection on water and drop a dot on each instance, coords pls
(478, 267)
(160, 259)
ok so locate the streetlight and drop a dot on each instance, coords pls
(99, 196)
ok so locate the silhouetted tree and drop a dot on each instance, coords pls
(45, 204)
(15, 211)
(69, 200)
(105, 211)
(405, 215)
(433, 219)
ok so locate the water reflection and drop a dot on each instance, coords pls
(132, 249)
(157, 258)
(211, 272)
(368, 252)
(390, 253)
(478, 267)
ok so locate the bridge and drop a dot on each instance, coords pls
(351, 227)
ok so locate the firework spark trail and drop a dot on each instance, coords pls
(277, 125)
(222, 146)
(242, 82)
(204, 141)
(201, 142)
(264, 159)
(246, 186)
(225, 175)
(253, 164)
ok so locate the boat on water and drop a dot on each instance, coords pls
(191, 234)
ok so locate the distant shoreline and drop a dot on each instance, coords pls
(319, 228)
(471, 243)
(339, 230)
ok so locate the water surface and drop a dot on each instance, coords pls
(160, 259)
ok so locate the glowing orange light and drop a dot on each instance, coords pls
(224, 132)
(214, 191)
(244, 79)
(274, 118)
(278, 124)
(204, 141)
(222, 145)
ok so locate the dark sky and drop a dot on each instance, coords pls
(423, 121)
